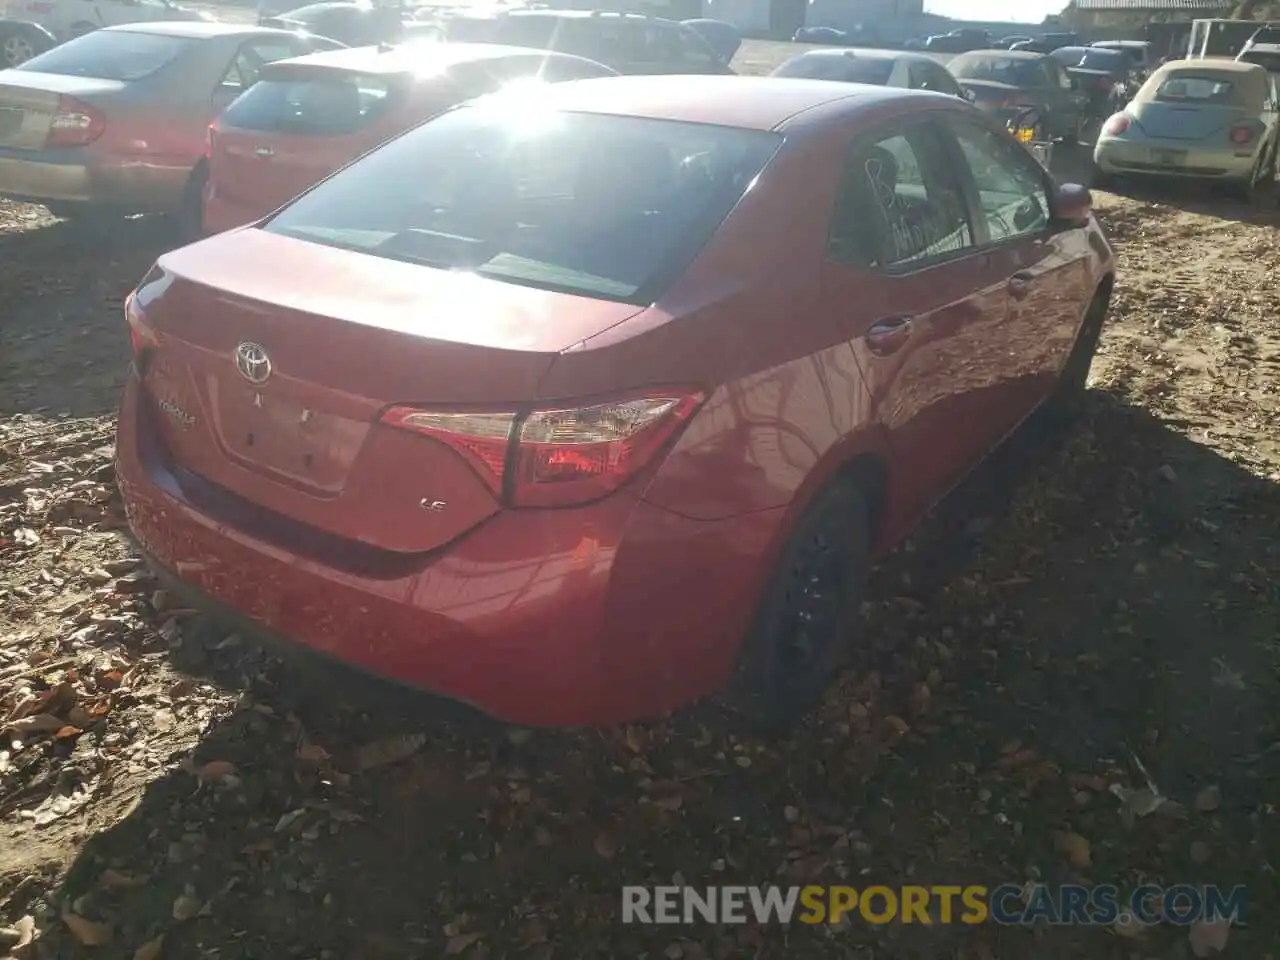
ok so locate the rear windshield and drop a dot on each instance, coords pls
(1266, 58)
(1182, 88)
(839, 67)
(537, 32)
(110, 55)
(328, 105)
(1011, 70)
(606, 206)
(1113, 61)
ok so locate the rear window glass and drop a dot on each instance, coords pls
(1183, 88)
(1112, 61)
(110, 55)
(605, 206)
(527, 31)
(469, 29)
(319, 106)
(828, 67)
(1266, 58)
(1013, 71)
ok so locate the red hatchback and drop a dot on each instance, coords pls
(581, 405)
(308, 116)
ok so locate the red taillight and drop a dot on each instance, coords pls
(75, 124)
(1117, 125)
(481, 438)
(141, 337)
(1105, 83)
(558, 456)
(1242, 134)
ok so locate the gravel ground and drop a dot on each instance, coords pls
(1089, 618)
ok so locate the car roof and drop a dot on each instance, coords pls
(421, 57)
(600, 15)
(192, 28)
(750, 103)
(866, 53)
(1005, 54)
(1206, 65)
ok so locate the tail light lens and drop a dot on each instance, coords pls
(1106, 83)
(75, 124)
(1242, 134)
(141, 337)
(1117, 125)
(553, 457)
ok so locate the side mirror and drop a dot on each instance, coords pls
(1072, 204)
(970, 94)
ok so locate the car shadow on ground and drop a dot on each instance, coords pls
(1079, 605)
(63, 344)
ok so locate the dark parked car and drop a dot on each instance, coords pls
(352, 24)
(1106, 77)
(21, 40)
(579, 420)
(883, 68)
(631, 43)
(1005, 83)
(724, 38)
(958, 41)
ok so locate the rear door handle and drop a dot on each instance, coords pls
(1020, 284)
(888, 335)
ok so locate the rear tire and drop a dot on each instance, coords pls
(189, 217)
(804, 626)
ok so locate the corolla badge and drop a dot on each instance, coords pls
(253, 363)
(175, 411)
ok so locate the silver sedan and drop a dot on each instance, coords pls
(117, 119)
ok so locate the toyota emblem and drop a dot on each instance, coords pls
(253, 363)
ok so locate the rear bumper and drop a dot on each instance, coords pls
(79, 176)
(615, 611)
(1117, 156)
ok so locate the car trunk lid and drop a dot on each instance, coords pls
(29, 102)
(1172, 121)
(991, 93)
(302, 437)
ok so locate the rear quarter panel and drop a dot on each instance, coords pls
(156, 127)
(748, 323)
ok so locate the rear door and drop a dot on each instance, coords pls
(921, 304)
(1044, 269)
(297, 126)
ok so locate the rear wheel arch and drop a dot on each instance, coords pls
(869, 472)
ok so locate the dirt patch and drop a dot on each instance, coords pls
(1090, 616)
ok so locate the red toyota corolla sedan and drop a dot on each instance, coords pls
(580, 405)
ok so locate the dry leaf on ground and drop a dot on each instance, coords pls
(1208, 939)
(1075, 848)
(151, 950)
(88, 932)
(457, 944)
